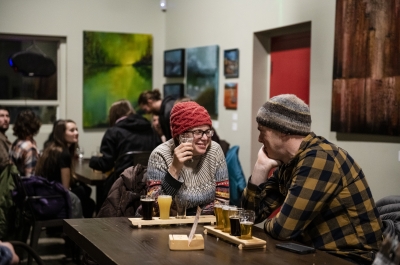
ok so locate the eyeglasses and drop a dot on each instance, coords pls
(199, 133)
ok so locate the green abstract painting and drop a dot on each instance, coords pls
(115, 66)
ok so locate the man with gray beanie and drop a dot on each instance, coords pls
(324, 197)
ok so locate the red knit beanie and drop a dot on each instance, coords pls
(187, 115)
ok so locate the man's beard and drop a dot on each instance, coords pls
(3, 130)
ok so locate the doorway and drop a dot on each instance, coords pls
(290, 65)
(281, 62)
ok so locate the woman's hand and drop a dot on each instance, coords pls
(182, 153)
(262, 167)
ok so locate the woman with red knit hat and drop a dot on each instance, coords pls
(196, 171)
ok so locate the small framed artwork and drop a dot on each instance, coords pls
(231, 63)
(230, 95)
(174, 61)
(175, 90)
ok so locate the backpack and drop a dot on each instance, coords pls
(47, 199)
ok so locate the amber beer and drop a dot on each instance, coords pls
(246, 219)
(147, 207)
(246, 229)
(218, 216)
(226, 212)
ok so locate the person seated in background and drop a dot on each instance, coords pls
(7, 254)
(57, 164)
(150, 101)
(155, 123)
(195, 170)
(5, 144)
(324, 196)
(51, 137)
(128, 132)
(24, 153)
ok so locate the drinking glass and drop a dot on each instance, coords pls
(226, 211)
(80, 151)
(164, 203)
(234, 220)
(219, 218)
(246, 219)
(147, 206)
(181, 204)
(186, 137)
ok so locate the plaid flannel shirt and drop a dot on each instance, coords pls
(326, 202)
(25, 155)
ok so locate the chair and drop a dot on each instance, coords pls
(124, 161)
(138, 157)
(31, 252)
(26, 203)
(237, 180)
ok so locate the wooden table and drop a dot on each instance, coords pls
(115, 241)
(91, 177)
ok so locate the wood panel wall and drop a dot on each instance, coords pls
(366, 73)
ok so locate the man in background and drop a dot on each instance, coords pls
(5, 144)
(150, 102)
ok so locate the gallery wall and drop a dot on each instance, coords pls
(69, 19)
(232, 24)
(229, 24)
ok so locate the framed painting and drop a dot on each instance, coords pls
(174, 62)
(231, 63)
(202, 77)
(115, 66)
(175, 90)
(230, 95)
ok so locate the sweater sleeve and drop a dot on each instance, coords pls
(159, 179)
(221, 182)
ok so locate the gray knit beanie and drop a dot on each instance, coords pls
(287, 114)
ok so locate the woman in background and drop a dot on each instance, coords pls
(57, 163)
(50, 138)
(24, 153)
(128, 132)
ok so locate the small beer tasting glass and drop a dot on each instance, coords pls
(234, 220)
(147, 206)
(246, 219)
(186, 137)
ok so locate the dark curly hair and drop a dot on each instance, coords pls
(27, 124)
(145, 96)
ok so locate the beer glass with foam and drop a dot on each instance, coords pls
(147, 206)
(234, 220)
(246, 220)
(226, 211)
(218, 216)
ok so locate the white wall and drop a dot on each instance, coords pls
(69, 19)
(193, 23)
(231, 24)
